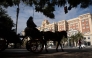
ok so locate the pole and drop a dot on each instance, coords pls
(17, 18)
(33, 12)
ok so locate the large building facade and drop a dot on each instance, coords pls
(82, 23)
(46, 26)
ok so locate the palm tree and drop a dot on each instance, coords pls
(64, 40)
(75, 38)
(79, 36)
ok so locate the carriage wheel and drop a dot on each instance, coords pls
(36, 45)
(3, 44)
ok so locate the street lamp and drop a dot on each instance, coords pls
(68, 39)
(17, 17)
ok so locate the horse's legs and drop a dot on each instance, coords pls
(58, 45)
(45, 42)
(61, 47)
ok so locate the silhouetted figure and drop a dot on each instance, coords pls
(31, 29)
(80, 43)
(30, 22)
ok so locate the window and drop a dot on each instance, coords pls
(76, 24)
(88, 37)
(84, 37)
(89, 43)
(86, 23)
(81, 17)
(88, 32)
(60, 29)
(82, 24)
(82, 20)
(87, 20)
(87, 26)
(83, 27)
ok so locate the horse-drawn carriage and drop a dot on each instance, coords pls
(33, 45)
(37, 39)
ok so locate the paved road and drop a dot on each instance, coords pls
(68, 53)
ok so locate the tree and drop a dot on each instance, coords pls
(76, 37)
(63, 41)
(79, 36)
(6, 22)
(47, 7)
(73, 37)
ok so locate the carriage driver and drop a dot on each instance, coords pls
(31, 27)
(30, 22)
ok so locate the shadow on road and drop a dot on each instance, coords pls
(23, 53)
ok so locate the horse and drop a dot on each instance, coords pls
(54, 36)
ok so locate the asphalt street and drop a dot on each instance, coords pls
(68, 52)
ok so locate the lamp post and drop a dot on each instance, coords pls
(17, 17)
(68, 40)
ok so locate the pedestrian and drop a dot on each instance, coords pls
(80, 44)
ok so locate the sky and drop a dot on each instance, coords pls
(25, 12)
